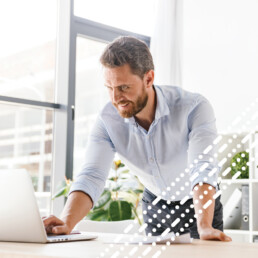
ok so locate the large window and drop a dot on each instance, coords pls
(51, 88)
(27, 86)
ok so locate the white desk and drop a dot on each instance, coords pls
(90, 249)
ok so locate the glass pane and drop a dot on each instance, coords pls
(28, 46)
(133, 15)
(26, 143)
(90, 94)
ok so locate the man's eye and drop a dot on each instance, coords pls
(124, 87)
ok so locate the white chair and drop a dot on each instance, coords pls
(118, 227)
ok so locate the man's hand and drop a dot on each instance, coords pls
(76, 208)
(54, 225)
(211, 233)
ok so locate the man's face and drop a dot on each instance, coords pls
(127, 91)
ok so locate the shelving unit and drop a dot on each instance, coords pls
(229, 145)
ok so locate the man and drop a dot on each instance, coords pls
(156, 131)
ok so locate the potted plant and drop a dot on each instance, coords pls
(240, 163)
(119, 200)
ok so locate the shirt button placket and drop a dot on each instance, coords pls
(151, 158)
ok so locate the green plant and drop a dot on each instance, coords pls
(63, 188)
(119, 200)
(240, 163)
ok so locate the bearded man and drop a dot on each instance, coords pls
(160, 132)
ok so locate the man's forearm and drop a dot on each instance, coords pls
(202, 194)
(76, 208)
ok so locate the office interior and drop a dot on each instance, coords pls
(51, 84)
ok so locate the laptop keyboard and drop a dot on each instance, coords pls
(71, 237)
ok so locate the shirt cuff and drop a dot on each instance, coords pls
(206, 177)
(86, 186)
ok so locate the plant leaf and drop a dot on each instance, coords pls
(98, 215)
(134, 191)
(120, 210)
(113, 178)
(104, 198)
(238, 162)
(62, 191)
(117, 188)
(125, 171)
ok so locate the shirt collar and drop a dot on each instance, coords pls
(162, 108)
(130, 120)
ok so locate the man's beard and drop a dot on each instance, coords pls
(136, 106)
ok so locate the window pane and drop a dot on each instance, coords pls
(90, 94)
(27, 52)
(26, 143)
(133, 15)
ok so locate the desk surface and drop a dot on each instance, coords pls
(97, 248)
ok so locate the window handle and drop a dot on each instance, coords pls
(73, 112)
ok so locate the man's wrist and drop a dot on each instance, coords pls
(203, 225)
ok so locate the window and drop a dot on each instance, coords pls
(39, 133)
(26, 143)
(90, 94)
(27, 86)
(134, 15)
(27, 53)
(88, 39)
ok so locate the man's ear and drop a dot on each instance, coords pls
(149, 78)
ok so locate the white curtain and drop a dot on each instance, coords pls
(166, 42)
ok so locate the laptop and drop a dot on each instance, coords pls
(20, 220)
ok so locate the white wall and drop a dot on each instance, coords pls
(220, 55)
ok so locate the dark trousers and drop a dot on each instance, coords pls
(166, 214)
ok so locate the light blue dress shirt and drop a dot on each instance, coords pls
(169, 159)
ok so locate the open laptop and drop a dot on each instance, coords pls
(20, 220)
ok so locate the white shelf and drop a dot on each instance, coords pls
(237, 231)
(236, 144)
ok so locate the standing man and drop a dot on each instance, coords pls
(161, 134)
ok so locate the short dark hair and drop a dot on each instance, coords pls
(128, 50)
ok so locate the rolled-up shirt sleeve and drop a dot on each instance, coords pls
(202, 133)
(98, 160)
